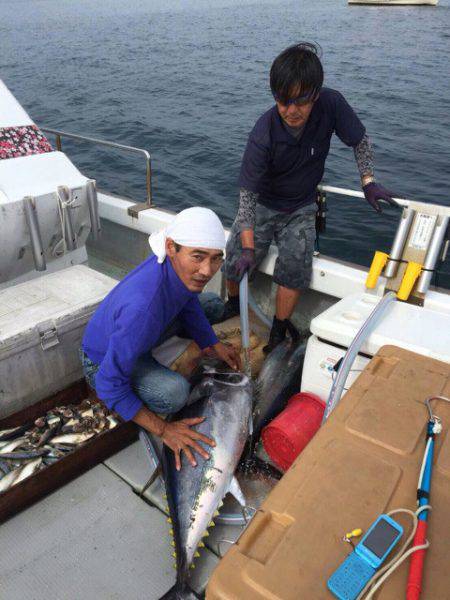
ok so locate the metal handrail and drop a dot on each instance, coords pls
(59, 134)
(149, 200)
(355, 194)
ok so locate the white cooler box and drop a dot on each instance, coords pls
(318, 367)
(414, 328)
(41, 325)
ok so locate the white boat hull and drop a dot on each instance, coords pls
(396, 2)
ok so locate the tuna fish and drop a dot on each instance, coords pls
(278, 379)
(195, 493)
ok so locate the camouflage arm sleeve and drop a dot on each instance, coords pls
(246, 215)
(364, 156)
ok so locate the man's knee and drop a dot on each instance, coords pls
(172, 395)
(213, 306)
(162, 391)
(177, 393)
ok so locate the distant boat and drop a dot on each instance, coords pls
(395, 2)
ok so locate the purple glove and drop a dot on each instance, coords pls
(246, 262)
(374, 192)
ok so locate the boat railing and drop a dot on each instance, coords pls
(330, 189)
(133, 210)
(136, 208)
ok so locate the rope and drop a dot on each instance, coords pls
(380, 576)
(63, 205)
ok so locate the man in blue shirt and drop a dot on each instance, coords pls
(282, 165)
(132, 319)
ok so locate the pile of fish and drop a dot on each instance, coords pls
(34, 446)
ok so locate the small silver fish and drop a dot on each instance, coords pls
(27, 470)
(14, 432)
(72, 438)
(7, 481)
(87, 413)
(4, 468)
(47, 435)
(23, 455)
(54, 452)
(113, 422)
(13, 445)
(64, 448)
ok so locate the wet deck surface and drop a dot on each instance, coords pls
(101, 537)
(93, 538)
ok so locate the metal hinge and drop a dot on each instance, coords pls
(48, 336)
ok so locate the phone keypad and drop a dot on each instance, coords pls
(349, 579)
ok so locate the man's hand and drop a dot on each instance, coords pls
(227, 353)
(374, 192)
(246, 262)
(179, 436)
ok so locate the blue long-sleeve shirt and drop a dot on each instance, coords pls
(130, 321)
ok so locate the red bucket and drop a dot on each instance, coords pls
(286, 436)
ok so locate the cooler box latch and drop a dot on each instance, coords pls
(48, 335)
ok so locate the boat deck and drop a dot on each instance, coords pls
(97, 537)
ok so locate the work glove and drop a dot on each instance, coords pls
(246, 262)
(374, 192)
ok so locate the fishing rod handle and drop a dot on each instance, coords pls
(414, 586)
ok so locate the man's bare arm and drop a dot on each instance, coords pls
(146, 419)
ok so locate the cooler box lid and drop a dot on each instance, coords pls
(11, 112)
(363, 462)
(55, 300)
(37, 175)
(411, 327)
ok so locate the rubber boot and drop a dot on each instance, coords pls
(293, 331)
(231, 308)
(277, 334)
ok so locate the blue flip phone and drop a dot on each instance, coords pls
(358, 568)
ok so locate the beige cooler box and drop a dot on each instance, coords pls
(363, 462)
(41, 326)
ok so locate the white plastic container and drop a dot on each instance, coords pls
(41, 325)
(415, 328)
(318, 368)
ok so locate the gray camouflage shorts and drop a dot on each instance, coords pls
(294, 235)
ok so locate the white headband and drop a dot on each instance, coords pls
(194, 227)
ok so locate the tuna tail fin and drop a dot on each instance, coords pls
(180, 591)
(235, 490)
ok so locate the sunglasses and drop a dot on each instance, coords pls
(300, 100)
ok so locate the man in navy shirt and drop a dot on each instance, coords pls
(282, 165)
(162, 291)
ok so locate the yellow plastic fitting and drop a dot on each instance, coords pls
(378, 263)
(412, 272)
(354, 533)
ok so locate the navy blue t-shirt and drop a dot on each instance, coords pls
(285, 171)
